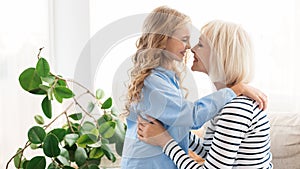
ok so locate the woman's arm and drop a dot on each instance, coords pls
(179, 157)
(196, 145)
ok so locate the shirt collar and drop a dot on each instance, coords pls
(171, 74)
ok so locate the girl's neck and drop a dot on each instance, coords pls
(219, 85)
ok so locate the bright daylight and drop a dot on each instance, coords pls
(89, 84)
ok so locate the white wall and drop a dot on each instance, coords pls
(64, 27)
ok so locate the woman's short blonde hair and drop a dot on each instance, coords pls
(231, 59)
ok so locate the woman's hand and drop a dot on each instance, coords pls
(251, 92)
(152, 132)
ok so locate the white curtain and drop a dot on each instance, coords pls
(24, 29)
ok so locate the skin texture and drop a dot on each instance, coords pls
(179, 43)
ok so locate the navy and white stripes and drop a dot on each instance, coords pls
(237, 138)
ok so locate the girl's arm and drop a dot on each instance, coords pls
(170, 100)
(160, 137)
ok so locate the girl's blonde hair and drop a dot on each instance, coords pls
(231, 59)
(159, 25)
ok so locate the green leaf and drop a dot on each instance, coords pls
(38, 91)
(25, 164)
(99, 94)
(30, 80)
(50, 94)
(64, 152)
(38, 162)
(93, 166)
(107, 117)
(80, 156)
(118, 137)
(71, 151)
(47, 107)
(63, 92)
(88, 126)
(17, 159)
(104, 118)
(36, 134)
(96, 153)
(39, 119)
(114, 111)
(107, 129)
(94, 161)
(57, 97)
(104, 141)
(53, 166)
(63, 160)
(49, 79)
(34, 146)
(86, 139)
(42, 67)
(50, 146)
(59, 133)
(90, 107)
(61, 82)
(76, 116)
(97, 144)
(107, 104)
(108, 154)
(44, 87)
(71, 139)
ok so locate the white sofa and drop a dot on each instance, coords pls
(285, 140)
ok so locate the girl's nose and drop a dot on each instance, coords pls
(188, 45)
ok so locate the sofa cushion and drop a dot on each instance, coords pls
(285, 139)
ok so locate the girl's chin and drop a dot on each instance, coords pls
(196, 69)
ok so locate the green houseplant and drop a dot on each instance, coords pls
(79, 143)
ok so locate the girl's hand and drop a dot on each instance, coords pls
(152, 132)
(255, 94)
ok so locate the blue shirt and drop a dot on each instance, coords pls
(163, 99)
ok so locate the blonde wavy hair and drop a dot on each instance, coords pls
(231, 59)
(159, 25)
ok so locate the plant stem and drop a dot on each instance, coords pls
(21, 151)
(38, 56)
(86, 112)
(68, 121)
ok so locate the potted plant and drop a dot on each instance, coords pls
(88, 133)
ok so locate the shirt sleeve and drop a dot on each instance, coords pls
(196, 145)
(179, 157)
(167, 103)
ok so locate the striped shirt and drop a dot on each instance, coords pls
(239, 137)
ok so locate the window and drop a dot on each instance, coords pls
(24, 29)
(274, 35)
